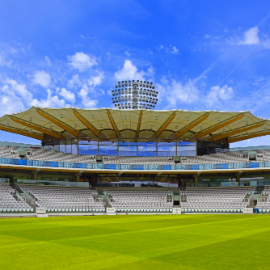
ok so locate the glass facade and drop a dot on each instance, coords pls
(147, 149)
(166, 149)
(108, 148)
(88, 148)
(128, 149)
(186, 149)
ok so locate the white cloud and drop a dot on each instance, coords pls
(67, 95)
(178, 92)
(48, 61)
(4, 61)
(174, 50)
(218, 93)
(10, 102)
(42, 78)
(51, 101)
(86, 101)
(74, 81)
(82, 61)
(168, 49)
(130, 72)
(19, 89)
(14, 97)
(96, 80)
(251, 36)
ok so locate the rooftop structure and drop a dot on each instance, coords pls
(135, 125)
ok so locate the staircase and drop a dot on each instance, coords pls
(25, 196)
(107, 204)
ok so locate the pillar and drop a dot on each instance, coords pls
(196, 178)
(35, 174)
(77, 177)
(179, 181)
(238, 178)
(94, 180)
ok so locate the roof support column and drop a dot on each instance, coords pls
(196, 178)
(35, 175)
(238, 177)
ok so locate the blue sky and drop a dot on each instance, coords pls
(201, 55)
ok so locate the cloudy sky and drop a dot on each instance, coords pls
(201, 55)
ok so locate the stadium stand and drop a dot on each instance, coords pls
(65, 199)
(52, 155)
(9, 202)
(264, 201)
(141, 201)
(229, 200)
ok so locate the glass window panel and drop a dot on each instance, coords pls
(68, 146)
(166, 149)
(63, 146)
(127, 149)
(108, 148)
(87, 142)
(186, 149)
(74, 149)
(147, 149)
(89, 148)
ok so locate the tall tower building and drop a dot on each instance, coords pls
(134, 94)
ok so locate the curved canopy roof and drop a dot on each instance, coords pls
(134, 125)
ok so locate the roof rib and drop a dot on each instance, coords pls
(113, 123)
(86, 123)
(139, 124)
(58, 123)
(242, 138)
(231, 133)
(165, 124)
(21, 132)
(216, 127)
(192, 125)
(38, 128)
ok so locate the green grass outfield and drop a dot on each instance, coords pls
(136, 242)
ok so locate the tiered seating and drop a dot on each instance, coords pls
(264, 202)
(215, 199)
(65, 199)
(8, 152)
(264, 155)
(8, 203)
(52, 155)
(141, 201)
(138, 160)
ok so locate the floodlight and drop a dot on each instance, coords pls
(132, 93)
